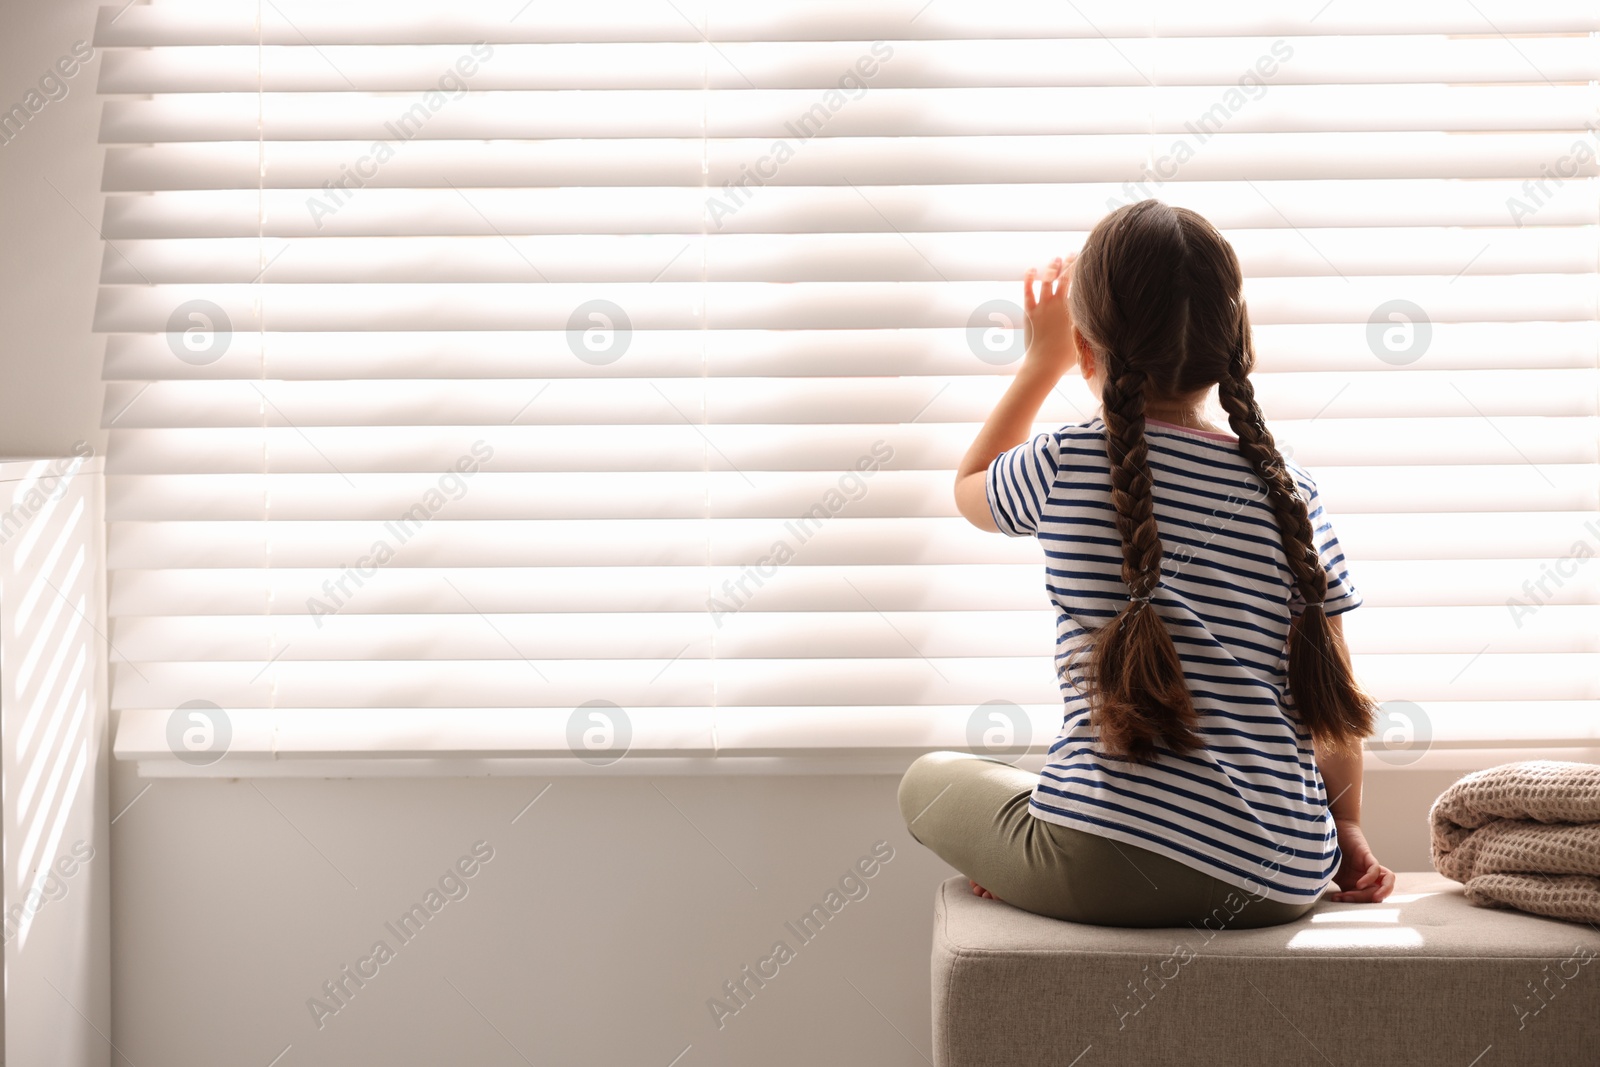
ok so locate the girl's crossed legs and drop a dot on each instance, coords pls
(973, 812)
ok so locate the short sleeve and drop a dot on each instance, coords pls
(1019, 482)
(1342, 593)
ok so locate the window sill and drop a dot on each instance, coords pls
(510, 742)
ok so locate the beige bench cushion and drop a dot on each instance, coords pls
(1423, 978)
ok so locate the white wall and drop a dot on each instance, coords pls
(610, 914)
(50, 207)
(597, 933)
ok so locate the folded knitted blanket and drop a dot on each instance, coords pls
(1524, 835)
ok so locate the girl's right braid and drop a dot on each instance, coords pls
(1329, 702)
(1238, 399)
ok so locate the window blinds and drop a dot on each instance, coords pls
(483, 362)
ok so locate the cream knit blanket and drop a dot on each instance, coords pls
(1524, 835)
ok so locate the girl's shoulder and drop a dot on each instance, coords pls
(1075, 443)
(1093, 430)
(1301, 476)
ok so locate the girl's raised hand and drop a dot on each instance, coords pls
(1050, 345)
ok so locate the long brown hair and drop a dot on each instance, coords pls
(1158, 293)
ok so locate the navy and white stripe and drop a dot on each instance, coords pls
(1249, 807)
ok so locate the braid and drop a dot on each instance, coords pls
(1137, 694)
(1131, 489)
(1321, 682)
(1238, 398)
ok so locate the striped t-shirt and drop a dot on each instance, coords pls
(1249, 807)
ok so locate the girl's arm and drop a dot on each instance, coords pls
(1341, 773)
(1361, 878)
(1009, 424)
(1051, 353)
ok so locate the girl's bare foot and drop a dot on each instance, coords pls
(979, 891)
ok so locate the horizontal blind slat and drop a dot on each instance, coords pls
(1413, 395)
(836, 633)
(1516, 486)
(1190, 113)
(1223, 61)
(471, 355)
(911, 680)
(318, 22)
(744, 542)
(866, 160)
(1050, 205)
(785, 257)
(1324, 442)
(956, 587)
(537, 305)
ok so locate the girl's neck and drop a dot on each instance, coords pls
(1190, 416)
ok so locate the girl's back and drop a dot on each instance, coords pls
(1249, 804)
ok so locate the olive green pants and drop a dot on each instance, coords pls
(973, 812)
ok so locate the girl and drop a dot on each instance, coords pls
(1209, 767)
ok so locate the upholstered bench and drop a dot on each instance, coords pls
(1422, 979)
